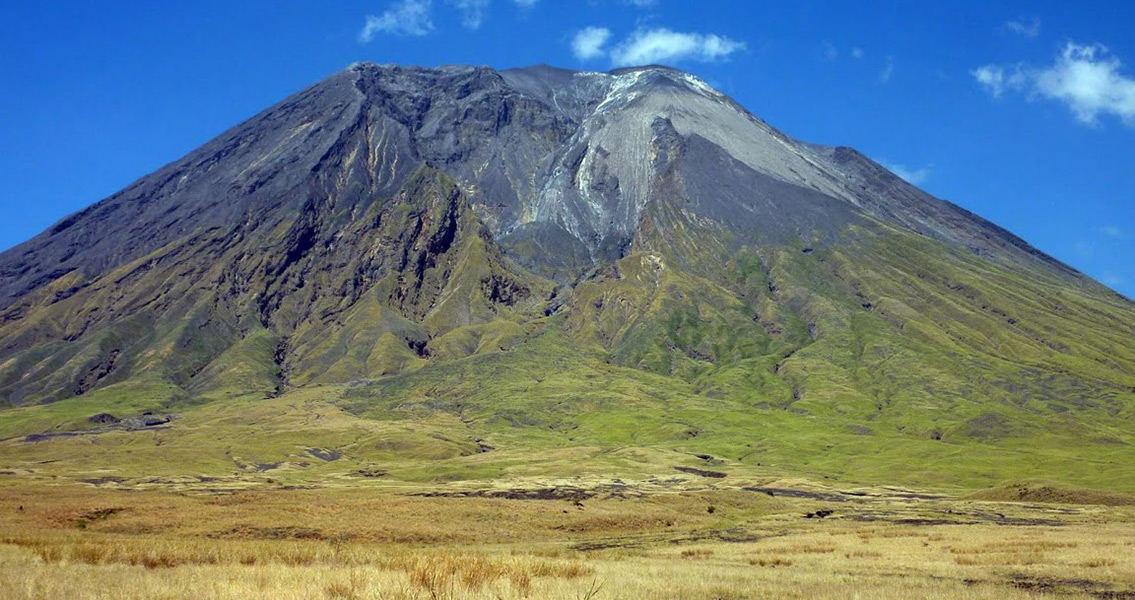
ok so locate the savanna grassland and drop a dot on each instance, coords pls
(545, 471)
(586, 538)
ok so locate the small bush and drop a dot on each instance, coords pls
(770, 562)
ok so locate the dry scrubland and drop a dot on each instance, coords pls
(652, 539)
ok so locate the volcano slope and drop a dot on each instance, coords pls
(461, 274)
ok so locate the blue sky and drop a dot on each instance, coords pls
(1023, 112)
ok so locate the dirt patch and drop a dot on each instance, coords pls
(250, 532)
(735, 535)
(1000, 519)
(557, 493)
(103, 480)
(43, 437)
(906, 495)
(876, 518)
(145, 422)
(99, 514)
(789, 493)
(1025, 581)
(93, 516)
(1058, 586)
(616, 489)
(326, 455)
(371, 472)
(597, 545)
(701, 472)
(956, 519)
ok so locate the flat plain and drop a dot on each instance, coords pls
(298, 496)
(680, 536)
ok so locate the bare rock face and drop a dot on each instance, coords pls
(338, 234)
(535, 149)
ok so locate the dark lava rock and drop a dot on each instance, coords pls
(701, 472)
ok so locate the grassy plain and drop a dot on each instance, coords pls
(587, 538)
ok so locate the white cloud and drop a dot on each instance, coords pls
(1113, 280)
(830, 52)
(992, 77)
(650, 46)
(526, 3)
(912, 176)
(1029, 27)
(641, 3)
(996, 79)
(472, 12)
(588, 42)
(409, 17)
(857, 53)
(888, 70)
(1086, 78)
(1111, 231)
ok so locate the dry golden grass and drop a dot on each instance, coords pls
(349, 544)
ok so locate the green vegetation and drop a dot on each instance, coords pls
(411, 349)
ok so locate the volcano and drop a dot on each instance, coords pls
(474, 266)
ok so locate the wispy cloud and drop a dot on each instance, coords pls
(1025, 27)
(589, 42)
(829, 51)
(409, 17)
(526, 3)
(661, 45)
(996, 79)
(913, 176)
(1086, 78)
(472, 12)
(641, 3)
(888, 70)
(1113, 280)
(1112, 231)
(992, 78)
